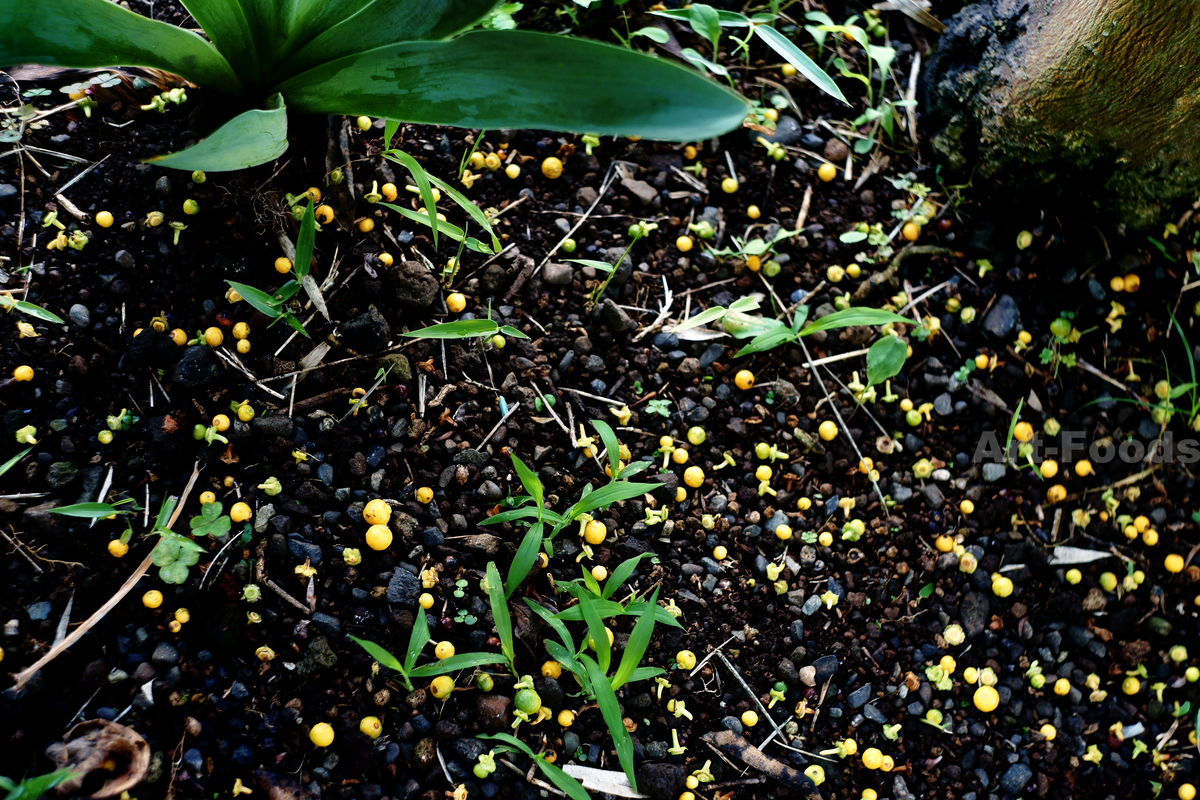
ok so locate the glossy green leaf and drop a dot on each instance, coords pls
(605, 496)
(257, 299)
(605, 608)
(597, 633)
(422, 181)
(524, 559)
(12, 462)
(455, 663)
(390, 126)
(251, 138)
(529, 480)
(500, 615)
(610, 709)
(611, 445)
(305, 241)
(463, 329)
(417, 640)
(766, 341)
(603, 266)
(854, 316)
(590, 581)
(337, 28)
(569, 786)
(638, 608)
(226, 25)
(453, 231)
(31, 310)
(97, 33)
(728, 19)
(621, 574)
(34, 788)
(803, 64)
(656, 35)
(379, 654)
(706, 22)
(473, 211)
(646, 673)
(507, 79)
(88, 510)
(511, 515)
(885, 359)
(566, 657)
(635, 648)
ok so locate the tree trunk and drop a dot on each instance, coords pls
(1095, 100)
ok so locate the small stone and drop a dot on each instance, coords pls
(975, 610)
(494, 712)
(39, 611)
(558, 274)
(489, 491)
(1015, 777)
(615, 317)
(943, 404)
(317, 657)
(403, 587)
(7, 190)
(1001, 320)
(859, 697)
(993, 472)
(198, 367)
(874, 714)
(787, 132)
(366, 333)
(933, 495)
(808, 676)
(826, 667)
(485, 543)
(811, 605)
(836, 150)
(165, 655)
(640, 189)
(410, 284)
(330, 626)
(61, 474)
(661, 781)
(80, 315)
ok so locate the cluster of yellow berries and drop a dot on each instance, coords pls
(377, 513)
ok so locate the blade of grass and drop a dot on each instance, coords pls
(12, 462)
(597, 633)
(304, 242)
(571, 787)
(455, 663)
(530, 481)
(417, 641)
(422, 179)
(622, 573)
(525, 558)
(610, 709)
(495, 592)
(611, 444)
(473, 211)
(639, 640)
(379, 654)
(87, 510)
(553, 621)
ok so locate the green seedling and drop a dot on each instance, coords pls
(416, 644)
(275, 305)
(33, 788)
(565, 783)
(29, 309)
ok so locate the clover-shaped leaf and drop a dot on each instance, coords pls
(175, 573)
(210, 522)
(165, 552)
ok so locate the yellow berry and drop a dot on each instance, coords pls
(241, 330)
(152, 599)
(371, 726)
(719, 553)
(683, 244)
(441, 687)
(689, 152)
(744, 379)
(324, 214)
(729, 186)
(872, 758)
(911, 231)
(379, 537)
(551, 669)
(944, 543)
(679, 455)
(804, 504)
(693, 477)
(104, 219)
(966, 507)
(456, 302)
(566, 718)
(1083, 468)
(1187, 791)
(364, 124)
(117, 548)
(827, 172)
(753, 263)
(386, 259)
(783, 533)
(1150, 537)
(1023, 432)
(366, 225)
(1062, 686)
(753, 212)
(512, 171)
(1132, 283)
(179, 337)
(322, 733)
(388, 190)
(686, 659)
(552, 168)
(787, 70)
(763, 473)
(825, 539)
(595, 532)
(982, 361)
(240, 512)
(425, 495)
(23, 373)
(1173, 563)
(245, 412)
(1074, 576)
(283, 265)
(1117, 284)
(425, 600)
(220, 423)
(1002, 587)
(1056, 493)
(1108, 581)
(986, 699)
(207, 497)
(1048, 732)
(828, 430)
(749, 719)
(1025, 337)
(1048, 468)
(443, 650)
(1131, 685)
(599, 573)
(243, 346)
(377, 512)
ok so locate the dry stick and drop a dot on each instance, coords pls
(861, 406)
(609, 177)
(237, 364)
(1085, 365)
(17, 546)
(261, 573)
(608, 400)
(24, 675)
(745, 687)
(804, 207)
(1123, 482)
(492, 432)
(841, 422)
(880, 277)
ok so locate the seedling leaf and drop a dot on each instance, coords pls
(611, 711)
(379, 654)
(639, 640)
(885, 359)
(417, 641)
(525, 558)
(496, 596)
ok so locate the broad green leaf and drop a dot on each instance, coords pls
(509, 330)
(854, 316)
(525, 558)
(803, 64)
(885, 359)
(530, 480)
(455, 663)
(621, 574)
(646, 673)
(251, 138)
(29, 309)
(498, 79)
(706, 22)
(305, 241)
(635, 648)
(87, 510)
(851, 237)
(96, 33)
(500, 615)
(257, 299)
(701, 63)
(605, 496)
(34, 788)
(597, 633)
(744, 304)
(417, 640)
(633, 469)
(336, 28)
(226, 25)
(463, 329)
(12, 462)
(286, 292)
(569, 786)
(379, 654)
(611, 444)
(610, 709)
(766, 341)
(422, 180)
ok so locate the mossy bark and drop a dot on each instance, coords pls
(1096, 100)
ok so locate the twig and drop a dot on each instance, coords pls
(24, 675)
(804, 207)
(260, 570)
(237, 364)
(492, 432)
(608, 400)
(609, 177)
(1089, 368)
(881, 277)
(17, 546)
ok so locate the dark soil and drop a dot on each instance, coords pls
(213, 713)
